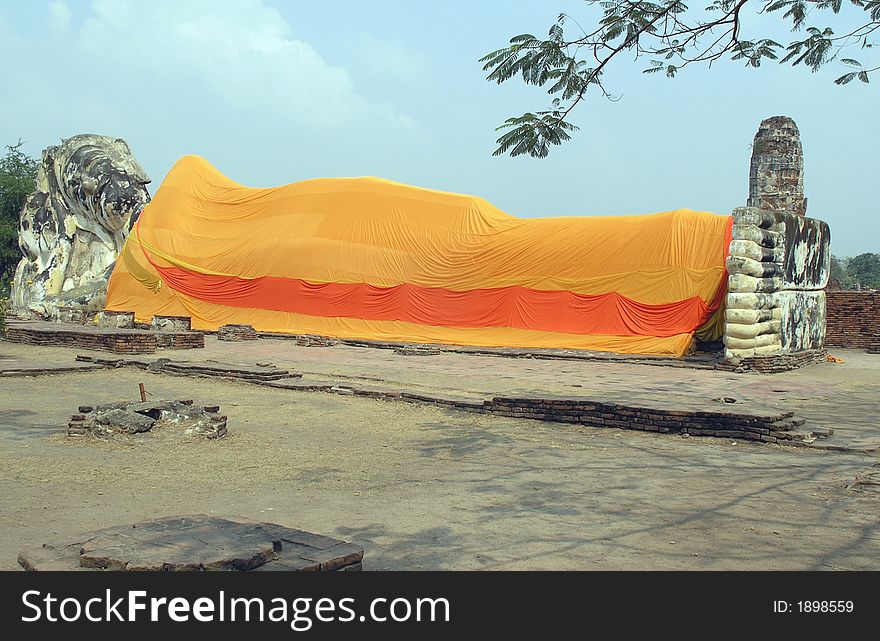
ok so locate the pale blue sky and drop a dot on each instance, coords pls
(272, 92)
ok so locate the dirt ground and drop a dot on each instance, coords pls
(427, 488)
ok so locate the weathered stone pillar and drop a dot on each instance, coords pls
(776, 173)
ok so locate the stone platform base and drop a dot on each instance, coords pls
(237, 333)
(777, 362)
(110, 339)
(197, 543)
(418, 350)
(305, 340)
(180, 340)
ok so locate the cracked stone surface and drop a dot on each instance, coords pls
(197, 543)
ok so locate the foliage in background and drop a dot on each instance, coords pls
(861, 271)
(18, 173)
(670, 36)
(838, 269)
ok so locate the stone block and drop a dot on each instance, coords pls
(802, 325)
(171, 323)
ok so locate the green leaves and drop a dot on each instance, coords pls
(17, 179)
(533, 134)
(796, 11)
(848, 77)
(4, 307)
(633, 19)
(813, 51)
(673, 37)
(536, 60)
(657, 66)
(871, 6)
(753, 52)
(549, 62)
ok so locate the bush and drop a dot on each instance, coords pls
(17, 180)
(4, 307)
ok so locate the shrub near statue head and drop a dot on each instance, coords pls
(90, 190)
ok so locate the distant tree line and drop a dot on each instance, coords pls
(18, 178)
(858, 272)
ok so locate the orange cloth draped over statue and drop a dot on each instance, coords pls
(373, 259)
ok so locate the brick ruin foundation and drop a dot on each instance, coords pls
(776, 363)
(114, 419)
(180, 340)
(113, 333)
(310, 340)
(119, 341)
(768, 428)
(417, 350)
(237, 333)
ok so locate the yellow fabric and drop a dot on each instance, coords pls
(375, 231)
(713, 329)
(142, 275)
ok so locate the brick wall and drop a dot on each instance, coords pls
(852, 319)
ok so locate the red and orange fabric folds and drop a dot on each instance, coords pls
(373, 259)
